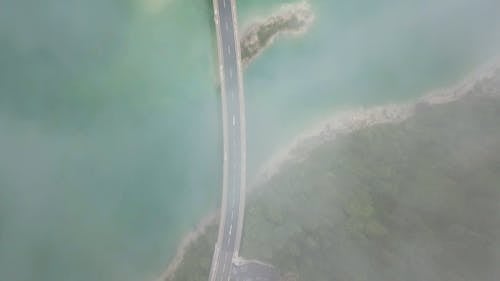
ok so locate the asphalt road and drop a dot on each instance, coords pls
(226, 248)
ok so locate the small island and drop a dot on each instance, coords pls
(291, 19)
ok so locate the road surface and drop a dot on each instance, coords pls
(233, 117)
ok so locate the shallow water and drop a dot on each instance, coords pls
(109, 123)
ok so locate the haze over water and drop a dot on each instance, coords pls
(109, 114)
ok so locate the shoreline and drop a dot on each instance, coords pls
(337, 124)
(354, 119)
(187, 240)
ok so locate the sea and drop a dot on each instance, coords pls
(110, 134)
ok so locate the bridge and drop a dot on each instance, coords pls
(227, 265)
(233, 118)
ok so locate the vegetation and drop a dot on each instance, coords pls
(293, 19)
(418, 200)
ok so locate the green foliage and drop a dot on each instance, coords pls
(360, 206)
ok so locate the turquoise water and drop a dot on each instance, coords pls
(109, 115)
(109, 136)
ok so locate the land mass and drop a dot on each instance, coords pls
(413, 199)
(290, 19)
(403, 192)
